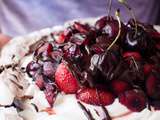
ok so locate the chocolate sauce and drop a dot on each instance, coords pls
(86, 112)
(3, 67)
(108, 117)
(97, 112)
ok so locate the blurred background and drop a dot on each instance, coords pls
(18, 17)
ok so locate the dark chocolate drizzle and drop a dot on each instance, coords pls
(3, 67)
(86, 112)
(106, 113)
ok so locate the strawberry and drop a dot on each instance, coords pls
(65, 80)
(119, 86)
(95, 96)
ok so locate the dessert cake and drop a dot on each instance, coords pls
(98, 69)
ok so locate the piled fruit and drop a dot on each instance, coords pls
(79, 62)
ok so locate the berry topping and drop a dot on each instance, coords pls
(134, 100)
(32, 68)
(119, 86)
(65, 79)
(153, 86)
(95, 96)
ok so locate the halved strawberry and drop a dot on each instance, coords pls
(119, 86)
(95, 96)
(65, 80)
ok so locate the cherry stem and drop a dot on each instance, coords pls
(135, 63)
(117, 14)
(130, 11)
(109, 7)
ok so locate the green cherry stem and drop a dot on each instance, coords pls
(135, 63)
(109, 7)
(117, 14)
(130, 11)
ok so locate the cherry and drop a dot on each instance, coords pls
(32, 68)
(134, 100)
(49, 68)
(108, 25)
(153, 85)
(136, 42)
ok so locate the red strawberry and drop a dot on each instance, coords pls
(134, 100)
(65, 80)
(135, 55)
(95, 97)
(119, 86)
(147, 68)
(153, 86)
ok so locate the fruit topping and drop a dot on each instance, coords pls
(65, 79)
(95, 96)
(134, 100)
(101, 62)
(119, 86)
(153, 85)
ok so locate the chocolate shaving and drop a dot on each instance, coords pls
(86, 112)
(26, 97)
(35, 106)
(19, 86)
(106, 113)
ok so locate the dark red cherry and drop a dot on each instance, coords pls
(153, 85)
(134, 100)
(108, 25)
(72, 51)
(49, 68)
(105, 62)
(136, 41)
(32, 68)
